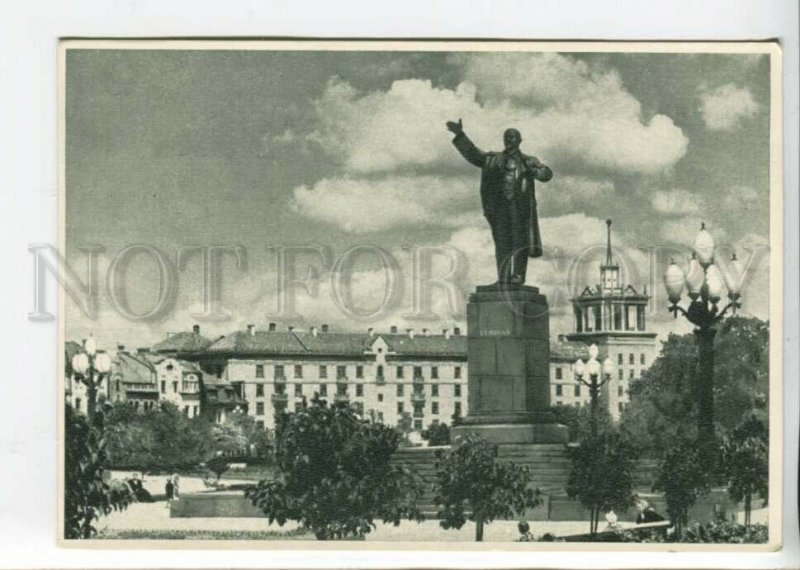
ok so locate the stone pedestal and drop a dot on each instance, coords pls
(508, 352)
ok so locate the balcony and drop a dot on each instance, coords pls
(280, 398)
(341, 398)
(419, 414)
(419, 379)
(380, 380)
(418, 397)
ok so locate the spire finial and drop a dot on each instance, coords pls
(608, 246)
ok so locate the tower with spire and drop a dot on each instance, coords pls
(613, 316)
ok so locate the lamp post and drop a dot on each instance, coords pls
(91, 367)
(704, 282)
(599, 375)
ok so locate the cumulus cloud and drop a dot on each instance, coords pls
(676, 201)
(362, 205)
(726, 106)
(570, 193)
(566, 112)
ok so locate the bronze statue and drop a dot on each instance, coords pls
(508, 200)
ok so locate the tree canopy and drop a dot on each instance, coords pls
(336, 474)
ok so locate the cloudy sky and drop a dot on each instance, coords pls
(344, 149)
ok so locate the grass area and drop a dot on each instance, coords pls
(140, 534)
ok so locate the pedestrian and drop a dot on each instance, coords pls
(612, 520)
(647, 514)
(169, 489)
(524, 532)
(176, 487)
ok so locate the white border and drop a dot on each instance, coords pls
(28, 57)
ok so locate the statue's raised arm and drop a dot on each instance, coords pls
(468, 150)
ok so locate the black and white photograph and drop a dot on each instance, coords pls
(430, 292)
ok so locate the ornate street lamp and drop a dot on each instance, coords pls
(599, 374)
(704, 282)
(91, 367)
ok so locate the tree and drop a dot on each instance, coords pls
(663, 401)
(437, 434)
(86, 495)
(404, 425)
(335, 473)
(746, 459)
(602, 473)
(683, 480)
(471, 484)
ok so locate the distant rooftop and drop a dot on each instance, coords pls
(186, 341)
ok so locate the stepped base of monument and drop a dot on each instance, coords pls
(514, 433)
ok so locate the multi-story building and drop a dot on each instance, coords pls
(613, 317)
(384, 375)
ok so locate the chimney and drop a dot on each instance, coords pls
(425, 332)
(251, 330)
(371, 331)
(456, 331)
(446, 333)
(393, 329)
(142, 350)
(272, 327)
(324, 328)
(121, 347)
(314, 331)
(290, 328)
(410, 333)
(196, 329)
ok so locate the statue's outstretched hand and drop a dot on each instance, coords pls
(455, 128)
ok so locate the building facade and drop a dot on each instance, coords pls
(614, 317)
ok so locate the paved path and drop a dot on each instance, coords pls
(155, 516)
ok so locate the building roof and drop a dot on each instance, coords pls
(306, 343)
(133, 368)
(186, 341)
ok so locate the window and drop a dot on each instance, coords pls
(400, 408)
(399, 371)
(380, 397)
(559, 373)
(259, 408)
(323, 371)
(435, 408)
(578, 391)
(298, 370)
(457, 373)
(620, 391)
(640, 317)
(620, 407)
(163, 387)
(359, 390)
(559, 390)
(359, 371)
(196, 410)
(117, 384)
(641, 359)
(174, 386)
(279, 371)
(259, 390)
(323, 389)
(457, 390)
(380, 417)
(418, 372)
(260, 424)
(620, 359)
(417, 424)
(598, 320)
(380, 371)
(399, 389)
(457, 412)
(341, 372)
(621, 373)
(578, 320)
(435, 390)
(630, 373)
(435, 372)
(631, 358)
(298, 389)
(186, 410)
(259, 370)
(618, 317)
